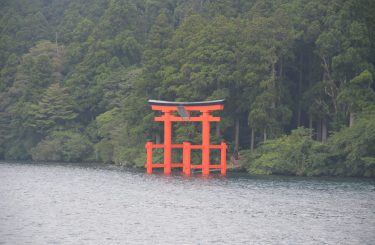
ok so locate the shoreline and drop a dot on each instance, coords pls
(230, 170)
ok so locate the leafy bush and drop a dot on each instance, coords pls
(292, 155)
(352, 149)
(130, 156)
(349, 152)
(63, 146)
(104, 151)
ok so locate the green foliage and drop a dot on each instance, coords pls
(353, 149)
(357, 93)
(73, 66)
(349, 152)
(291, 155)
(104, 122)
(65, 146)
(104, 151)
(53, 110)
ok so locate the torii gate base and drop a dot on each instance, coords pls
(183, 108)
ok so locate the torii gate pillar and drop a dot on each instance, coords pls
(184, 109)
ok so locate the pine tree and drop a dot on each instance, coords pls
(53, 110)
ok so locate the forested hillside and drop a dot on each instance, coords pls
(76, 75)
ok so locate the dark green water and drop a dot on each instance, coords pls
(70, 204)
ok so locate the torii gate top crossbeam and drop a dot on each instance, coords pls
(212, 105)
(196, 103)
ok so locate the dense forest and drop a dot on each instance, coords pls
(297, 76)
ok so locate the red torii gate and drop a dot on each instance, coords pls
(184, 109)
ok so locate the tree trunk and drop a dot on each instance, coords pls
(281, 67)
(252, 139)
(351, 118)
(264, 135)
(217, 130)
(311, 125)
(57, 46)
(330, 90)
(319, 130)
(324, 130)
(236, 134)
(299, 90)
(157, 138)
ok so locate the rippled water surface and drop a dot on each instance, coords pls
(69, 204)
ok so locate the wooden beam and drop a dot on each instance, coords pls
(191, 119)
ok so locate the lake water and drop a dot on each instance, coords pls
(101, 204)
